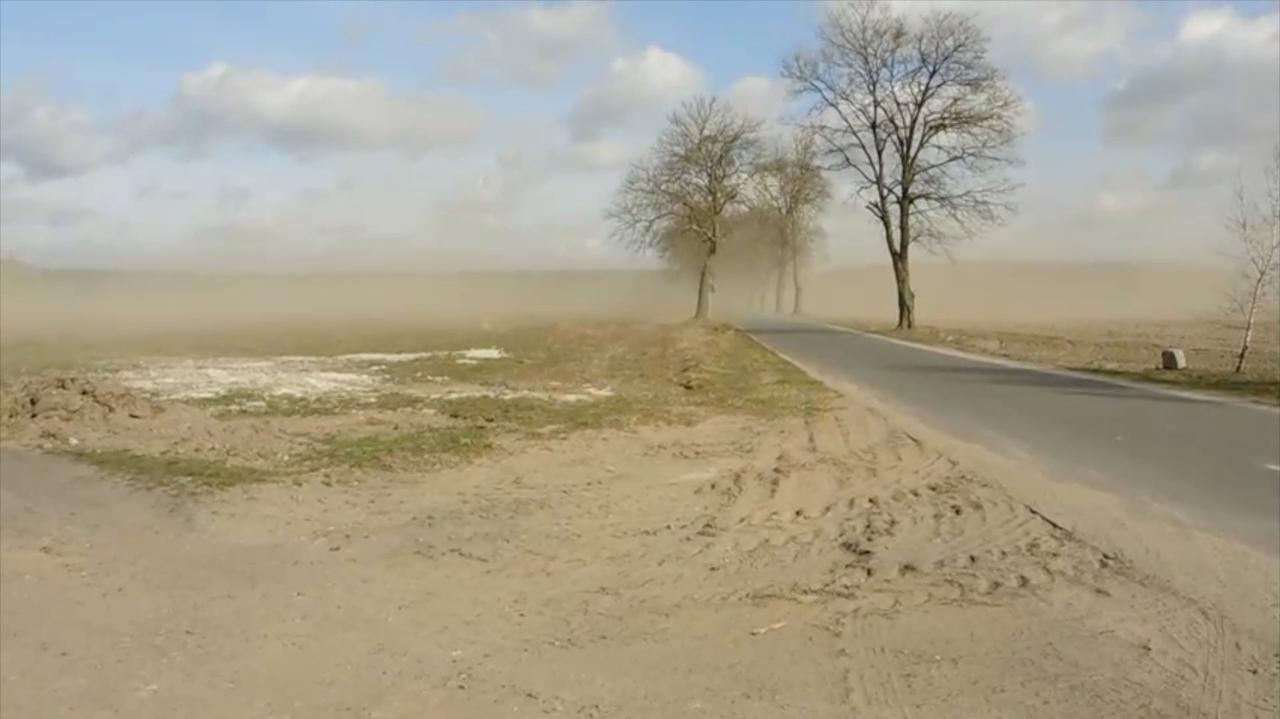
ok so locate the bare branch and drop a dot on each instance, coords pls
(921, 119)
(1253, 226)
(678, 197)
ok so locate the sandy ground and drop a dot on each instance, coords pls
(853, 564)
(835, 566)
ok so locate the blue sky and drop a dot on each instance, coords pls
(155, 42)
(386, 134)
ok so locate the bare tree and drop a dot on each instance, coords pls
(695, 176)
(789, 187)
(920, 118)
(1254, 227)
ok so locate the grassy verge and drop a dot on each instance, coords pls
(652, 370)
(553, 380)
(173, 473)
(1124, 350)
(656, 374)
(425, 448)
(645, 373)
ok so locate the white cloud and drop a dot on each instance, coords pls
(232, 197)
(316, 112)
(49, 140)
(638, 88)
(1212, 96)
(532, 42)
(1060, 38)
(303, 113)
(23, 210)
(1221, 25)
(761, 97)
(602, 154)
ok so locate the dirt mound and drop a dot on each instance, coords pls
(870, 513)
(69, 397)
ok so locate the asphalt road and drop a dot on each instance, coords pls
(1216, 463)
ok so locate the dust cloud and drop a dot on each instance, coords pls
(45, 305)
(36, 302)
(67, 306)
(999, 292)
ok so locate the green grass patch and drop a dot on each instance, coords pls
(431, 447)
(174, 473)
(531, 416)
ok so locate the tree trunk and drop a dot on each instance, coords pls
(902, 270)
(1248, 330)
(779, 289)
(704, 291)
(795, 281)
(906, 297)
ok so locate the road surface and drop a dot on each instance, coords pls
(1215, 462)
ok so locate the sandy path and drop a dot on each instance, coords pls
(831, 568)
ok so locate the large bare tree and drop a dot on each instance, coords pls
(790, 187)
(915, 112)
(1254, 227)
(694, 178)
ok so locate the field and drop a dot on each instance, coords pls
(570, 518)
(442, 396)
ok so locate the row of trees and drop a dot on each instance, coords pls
(912, 112)
(713, 192)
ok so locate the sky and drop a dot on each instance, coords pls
(424, 135)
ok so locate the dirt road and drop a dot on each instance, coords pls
(825, 568)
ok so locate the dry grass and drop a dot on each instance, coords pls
(424, 448)
(244, 403)
(175, 474)
(620, 375)
(1129, 350)
(658, 374)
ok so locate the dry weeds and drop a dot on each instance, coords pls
(424, 411)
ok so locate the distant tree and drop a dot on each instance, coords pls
(1254, 227)
(675, 201)
(790, 188)
(919, 117)
(751, 253)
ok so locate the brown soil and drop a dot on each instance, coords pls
(833, 566)
(63, 397)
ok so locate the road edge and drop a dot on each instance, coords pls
(1161, 543)
(1195, 395)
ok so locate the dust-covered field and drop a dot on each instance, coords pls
(368, 513)
(981, 293)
